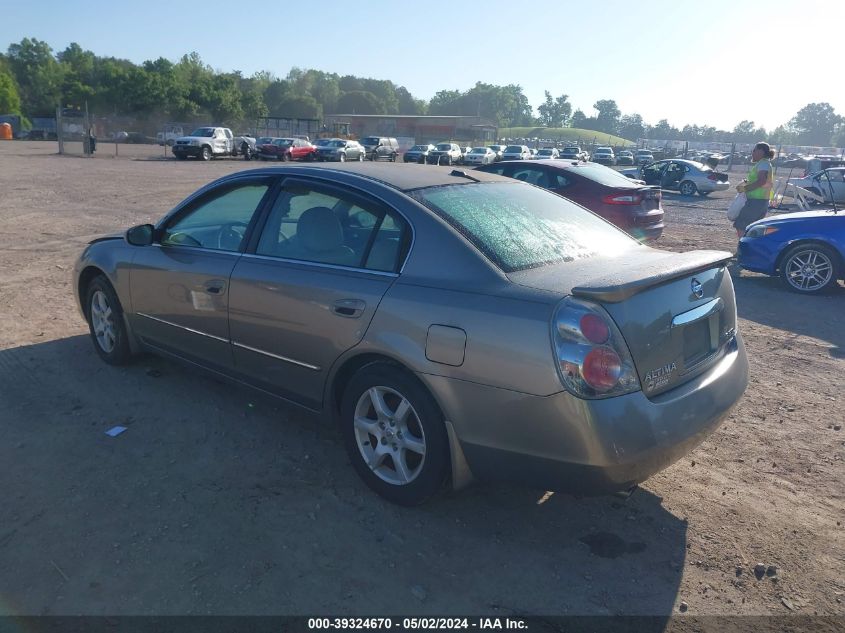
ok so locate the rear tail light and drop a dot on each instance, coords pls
(592, 358)
(628, 198)
(712, 177)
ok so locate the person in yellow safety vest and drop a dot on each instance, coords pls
(757, 187)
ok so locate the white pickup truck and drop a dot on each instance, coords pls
(208, 142)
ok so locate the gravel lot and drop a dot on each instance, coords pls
(218, 500)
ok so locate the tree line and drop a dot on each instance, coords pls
(34, 80)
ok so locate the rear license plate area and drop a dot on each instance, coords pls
(697, 342)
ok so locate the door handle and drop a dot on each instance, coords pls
(215, 287)
(349, 308)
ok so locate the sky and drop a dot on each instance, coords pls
(717, 62)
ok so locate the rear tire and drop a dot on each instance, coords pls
(394, 434)
(687, 188)
(285, 157)
(105, 322)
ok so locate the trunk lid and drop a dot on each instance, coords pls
(676, 311)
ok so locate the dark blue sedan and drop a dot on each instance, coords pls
(807, 249)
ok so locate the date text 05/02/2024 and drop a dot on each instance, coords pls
(423, 623)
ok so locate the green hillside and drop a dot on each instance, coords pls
(572, 134)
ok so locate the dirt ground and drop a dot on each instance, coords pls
(218, 500)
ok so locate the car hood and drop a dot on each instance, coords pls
(105, 238)
(799, 216)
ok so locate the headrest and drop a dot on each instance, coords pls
(319, 230)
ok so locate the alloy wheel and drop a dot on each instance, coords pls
(101, 319)
(389, 435)
(809, 270)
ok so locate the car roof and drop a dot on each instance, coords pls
(401, 176)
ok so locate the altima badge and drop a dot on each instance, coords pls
(697, 288)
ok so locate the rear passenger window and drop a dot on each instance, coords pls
(329, 228)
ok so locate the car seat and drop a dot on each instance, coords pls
(319, 238)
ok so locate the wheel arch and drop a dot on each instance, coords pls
(86, 276)
(838, 261)
(460, 474)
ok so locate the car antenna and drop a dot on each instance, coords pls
(830, 188)
(460, 173)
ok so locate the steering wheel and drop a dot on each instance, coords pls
(230, 236)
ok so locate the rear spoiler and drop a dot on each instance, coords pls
(628, 281)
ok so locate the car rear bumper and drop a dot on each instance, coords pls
(712, 185)
(589, 447)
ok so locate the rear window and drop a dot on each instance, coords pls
(603, 175)
(513, 149)
(478, 150)
(519, 227)
(370, 140)
(444, 147)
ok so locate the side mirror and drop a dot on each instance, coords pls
(141, 235)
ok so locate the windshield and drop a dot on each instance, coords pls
(518, 226)
(264, 140)
(572, 150)
(419, 148)
(370, 140)
(283, 141)
(203, 131)
(337, 143)
(444, 147)
(479, 150)
(546, 152)
(513, 149)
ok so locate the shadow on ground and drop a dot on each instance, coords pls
(765, 300)
(218, 500)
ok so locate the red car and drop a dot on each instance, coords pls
(287, 149)
(633, 207)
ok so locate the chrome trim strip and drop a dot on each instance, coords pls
(197, 249)
(696, 314)
(276, 356)
(182, 327)
(319, 265)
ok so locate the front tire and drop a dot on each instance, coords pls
(342, 158)
(687, 188)
(394, 434)
(105, 322)
(809, 268)
(206, 153)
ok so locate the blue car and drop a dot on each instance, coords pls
(806, 249)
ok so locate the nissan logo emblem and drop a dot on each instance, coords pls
(697, 288)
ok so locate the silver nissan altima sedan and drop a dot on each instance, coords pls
(456, 325)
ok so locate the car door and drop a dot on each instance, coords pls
(653, 173)
(180, 285)
(309, 285)
(833, 181)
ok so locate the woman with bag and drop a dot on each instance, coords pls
(757, 188)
